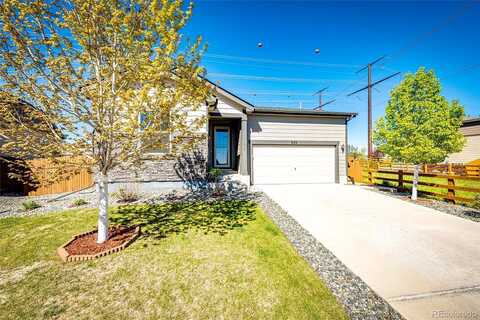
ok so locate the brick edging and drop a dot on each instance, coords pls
(66, 257)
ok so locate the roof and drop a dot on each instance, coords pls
(251, 108)
(230, 95)
(308, 112)
(471, 121)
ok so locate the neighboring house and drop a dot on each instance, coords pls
(261, 145)
(471, 151)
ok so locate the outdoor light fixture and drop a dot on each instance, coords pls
(342, 147)
(211, 101)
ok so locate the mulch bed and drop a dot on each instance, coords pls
(87, 244)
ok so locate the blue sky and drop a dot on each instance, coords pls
(285, 72)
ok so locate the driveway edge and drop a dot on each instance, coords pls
(358, 299)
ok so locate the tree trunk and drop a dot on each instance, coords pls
(102, 189)
(415, 182)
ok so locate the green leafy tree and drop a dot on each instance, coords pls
(420, 125)
(356, 152)
(104, 81)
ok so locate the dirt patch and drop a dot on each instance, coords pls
(87, 244)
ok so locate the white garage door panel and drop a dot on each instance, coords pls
(293, 164)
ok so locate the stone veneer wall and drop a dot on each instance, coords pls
(160, 169)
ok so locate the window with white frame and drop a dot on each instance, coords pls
(162, 141)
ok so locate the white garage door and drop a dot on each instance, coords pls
(293, 164)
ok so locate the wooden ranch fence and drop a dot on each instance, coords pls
(455, 168)
(446, 168)
(41, 168)
(456, 188)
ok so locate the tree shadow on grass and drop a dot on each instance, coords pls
(159, 220)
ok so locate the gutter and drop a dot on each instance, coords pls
(273, 111)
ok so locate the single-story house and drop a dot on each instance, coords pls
(262, 145)
(471, 151)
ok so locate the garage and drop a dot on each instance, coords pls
(286, 163)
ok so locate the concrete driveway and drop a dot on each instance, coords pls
(425, 263)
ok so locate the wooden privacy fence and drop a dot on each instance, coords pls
(73, 181)
(455, 188)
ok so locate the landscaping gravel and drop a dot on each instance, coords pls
(148, 193)
(358, 299)
(12, 205)
(443, 206)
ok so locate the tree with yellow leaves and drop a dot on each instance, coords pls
(85, 71)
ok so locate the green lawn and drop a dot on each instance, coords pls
(225, 260)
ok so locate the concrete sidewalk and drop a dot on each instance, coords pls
(424, 262)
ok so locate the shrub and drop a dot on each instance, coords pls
(214, 174)
(218, 188)
(79, 202)
(126, 195)
(30, 205)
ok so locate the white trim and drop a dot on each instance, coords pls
(157, 153)
(215, 148)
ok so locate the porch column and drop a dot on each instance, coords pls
(242, 167)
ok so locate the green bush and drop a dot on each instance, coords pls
(214, 174)
(125, 195)
(30, 205)
(79, 202)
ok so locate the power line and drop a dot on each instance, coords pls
(320, 93)
(283, 101)
(269, 78)
(347, 87)
(273, 93)
(320, 106)
(425, 35)
(273, 61)
(375, 83)
(369, 87)
(263, 66)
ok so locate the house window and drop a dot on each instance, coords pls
(221, 150)
(161, 143)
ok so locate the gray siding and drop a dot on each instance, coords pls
(470, 152)
(470, 130)
(298, 128)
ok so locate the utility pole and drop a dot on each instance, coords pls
(369, 87)
(320, 107)
(320, 93)
(320, 102)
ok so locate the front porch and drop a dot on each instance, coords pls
(227, 145)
